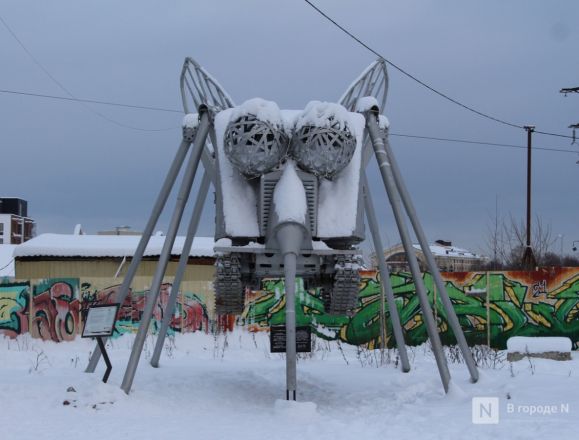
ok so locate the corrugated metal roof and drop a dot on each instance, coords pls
(66, 245)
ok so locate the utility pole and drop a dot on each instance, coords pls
(565, 91)
(529, 262)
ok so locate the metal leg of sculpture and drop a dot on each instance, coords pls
(290, 236)
(290, 261)
(393, 195)
(191, 231)
(149, 228)
(385, 284)
(447, 304)
(182, 197)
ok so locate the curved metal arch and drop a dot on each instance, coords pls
(373, 81)
(199, 87)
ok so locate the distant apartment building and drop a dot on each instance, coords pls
(448, 258)
(15, 225)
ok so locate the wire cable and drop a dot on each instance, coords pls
(67, 91)
(547, 133)
(492, 144)
(161, 109)
(4, 267)
(422, 83)
(92, 101)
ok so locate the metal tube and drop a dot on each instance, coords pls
(182, 197)
(289, 261)
(151, 223)
(386, 285)
(394, 196)
(191, 231)
(431, 263)
(290, 236)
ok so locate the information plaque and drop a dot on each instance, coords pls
(100, 320)
(99, 324)
(303, 339)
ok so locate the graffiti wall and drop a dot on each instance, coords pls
(14, 308)
(491, 307)
(54, 309)
(190, 311)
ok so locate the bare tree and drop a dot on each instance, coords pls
(570, 261)
(506, 242)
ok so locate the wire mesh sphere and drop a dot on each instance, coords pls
(323, 151)
(255, 147)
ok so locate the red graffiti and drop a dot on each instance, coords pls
(56, 313)
(194, 316)
(109, 296)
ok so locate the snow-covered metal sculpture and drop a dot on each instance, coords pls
(291, 197)
(253, 146)
(249, 218)
(254, 142)
(323, 143)
(198, 88)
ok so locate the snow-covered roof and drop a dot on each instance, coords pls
(65, 245)
(449, 251)
(7, 260)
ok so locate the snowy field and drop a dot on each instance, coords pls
(231, 388)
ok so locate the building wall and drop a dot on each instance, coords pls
(95, 281)
(397, 261)
(491, 307)
(100, 274)
(5, 228)
(15, 229)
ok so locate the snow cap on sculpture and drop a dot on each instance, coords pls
(290, 197)
(323, 143)
(254, 140)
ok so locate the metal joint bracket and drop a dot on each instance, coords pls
(189, 133)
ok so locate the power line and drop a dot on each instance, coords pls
(91, 101)
(492, 144)
(547, 133)
(4, 267)
(68, 92)
(422, 83)
(161, 109)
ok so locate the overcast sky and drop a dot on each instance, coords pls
(509, 59)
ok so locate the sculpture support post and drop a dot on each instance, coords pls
(191, 231)
(394, 197)
(385, 284)
(290, 237)
(289, 261)
(432, 267)
(183, 195)
(151, 223)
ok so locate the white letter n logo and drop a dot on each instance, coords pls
(485, 410)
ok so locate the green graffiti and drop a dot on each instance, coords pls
(491, 307)
(14, 303)
(269, 309)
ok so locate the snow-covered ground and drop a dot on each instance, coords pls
(224, 388)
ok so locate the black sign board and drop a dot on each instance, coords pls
(100, 320)
(100, 323)
(303, 339)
